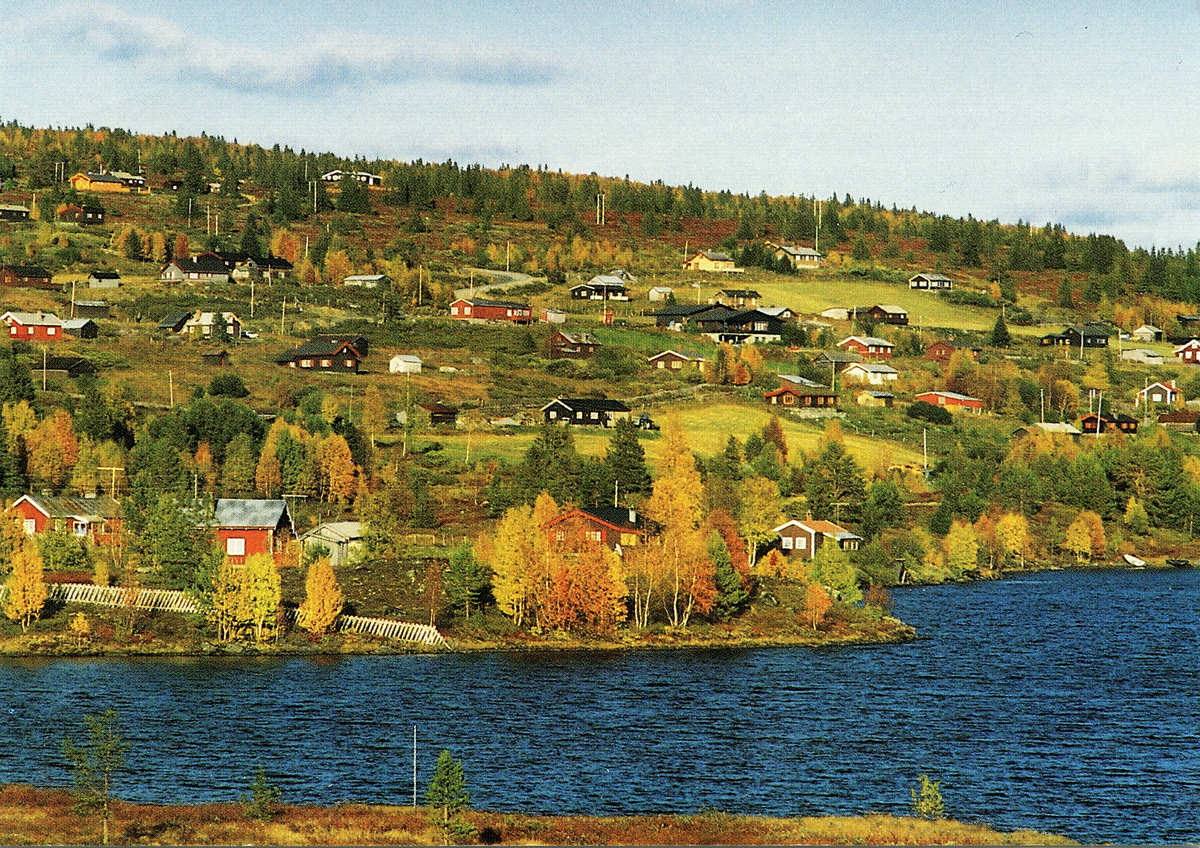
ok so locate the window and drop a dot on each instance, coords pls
(325, 363)
(553, 414)
(80, 528)
(30, 526)
(453, 310)
(50, 331)
(801, 543)
(786, 542)
(349, 363)
(306, 363)
(235, 546)
(592, 535)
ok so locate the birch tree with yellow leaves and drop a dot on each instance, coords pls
(323, 599)
(676, 505)
(25, 590)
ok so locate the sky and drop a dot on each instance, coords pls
(1080, 114)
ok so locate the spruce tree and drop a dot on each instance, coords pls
(1000, 335)
(625, 461)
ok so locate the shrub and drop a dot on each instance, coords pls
(925, 411)
(228, 385)
(928, 804)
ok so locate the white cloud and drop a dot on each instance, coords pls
(334, 62)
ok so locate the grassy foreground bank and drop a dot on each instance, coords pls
(43, 817)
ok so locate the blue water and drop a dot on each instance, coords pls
(1062, 701)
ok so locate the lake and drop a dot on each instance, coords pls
(1066, 701)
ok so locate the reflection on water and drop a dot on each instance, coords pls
(1063, 701)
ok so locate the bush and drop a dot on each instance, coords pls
(928, 803)
(925, 411)
(228, 385)
(969, 298)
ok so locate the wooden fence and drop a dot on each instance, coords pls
(392, 629)
(175, 601)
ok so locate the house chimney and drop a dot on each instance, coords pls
(633, 516)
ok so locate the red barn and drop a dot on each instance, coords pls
(33, 326)
(248, 527)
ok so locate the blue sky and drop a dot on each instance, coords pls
(1081, 114)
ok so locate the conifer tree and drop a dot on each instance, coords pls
(465, 582)
(447, 796)
(625, 461)
(731, 595)
(1000, 335)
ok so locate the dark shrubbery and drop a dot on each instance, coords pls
(925, 411)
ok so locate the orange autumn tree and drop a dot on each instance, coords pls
(586, 588)
(676, 506)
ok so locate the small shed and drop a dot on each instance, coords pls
(439, 413)
(344, 539)
(405, 363)
(89, 309)
(81, 328)
(104, 278)
(659, 293)
(870, 397)
(216, 358)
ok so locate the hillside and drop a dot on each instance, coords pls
(927, 494)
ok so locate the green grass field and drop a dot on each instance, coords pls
(708, 427)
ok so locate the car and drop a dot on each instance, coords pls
(645, 422)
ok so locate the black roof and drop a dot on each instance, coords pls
(590, 404)
(27, 270)
(174, 321)
(618, 516)
(317, 348)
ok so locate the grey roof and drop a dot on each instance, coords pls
(334, 531)
(240, 512)
(61, 506)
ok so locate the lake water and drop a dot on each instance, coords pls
(1065, 701)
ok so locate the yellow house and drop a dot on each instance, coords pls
(113, 182)
(711, 260)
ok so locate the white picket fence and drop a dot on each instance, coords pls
(393, 629)
(175, 601)
(115, 596)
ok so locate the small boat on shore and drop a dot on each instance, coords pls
(1134, 561)
(1175, 562)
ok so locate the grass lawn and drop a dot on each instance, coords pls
(708, 428)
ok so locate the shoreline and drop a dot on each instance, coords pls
(30, 815)
(887, 631)
(896, 633)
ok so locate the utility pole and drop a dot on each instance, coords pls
(114, 469)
